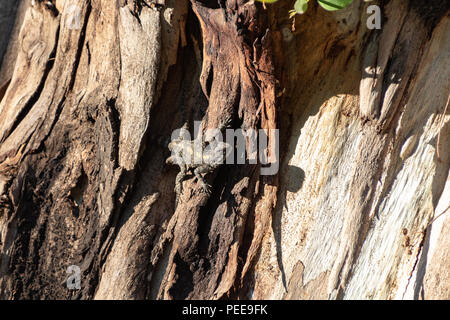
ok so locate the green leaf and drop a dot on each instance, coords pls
(301, 6)
(332, 5)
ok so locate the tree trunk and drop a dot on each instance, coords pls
(355, 210)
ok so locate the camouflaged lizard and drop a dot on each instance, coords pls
(211, 152)
(139, 4)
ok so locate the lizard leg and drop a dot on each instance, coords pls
(198, 171)
(170, 160)
(175, 159)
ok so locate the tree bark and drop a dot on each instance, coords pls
(354, 212)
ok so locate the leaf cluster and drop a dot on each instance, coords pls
(301, 6)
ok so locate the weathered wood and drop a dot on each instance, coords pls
(84, 125)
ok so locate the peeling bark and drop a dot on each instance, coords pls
(86, 115)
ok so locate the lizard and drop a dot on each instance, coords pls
(152, 4)
(183, 154)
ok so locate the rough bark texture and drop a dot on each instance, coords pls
(354, 212)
